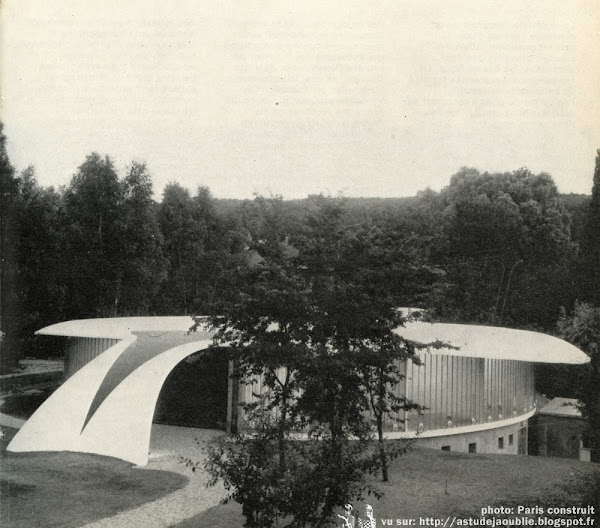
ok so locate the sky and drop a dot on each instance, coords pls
(383, 98)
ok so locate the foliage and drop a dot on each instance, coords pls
(199, 246)
(9, 235)
(315, 312)
(38, 256)
(589, 259)
(93, 218)
(490, 248)
(583, 330)
(112, 235)
(143, 265)
(506, 248)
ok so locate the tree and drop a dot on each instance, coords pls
(39, 258)
(381, 374)
(311, 316)
(95, 243)
(589, 259)
(583, 330)
(506, 248)
(143, 266)
(185, 233)
(9, 235)
(112, 241)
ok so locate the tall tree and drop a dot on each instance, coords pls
(309, 314)
(506, 248)
(112, 239)
(9, 235)
(38, 256)
(95, 240)
(184, 240)
(201, 245)
(143, 266)
(589, 259)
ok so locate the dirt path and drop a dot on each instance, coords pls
(168, 444)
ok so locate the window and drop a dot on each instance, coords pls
(510, 440)
(473, 447)
(501, 442)
(445, 448)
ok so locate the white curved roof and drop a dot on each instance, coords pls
(471, 340)
(494, 342)
(117, 327)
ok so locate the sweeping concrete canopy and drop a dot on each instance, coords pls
(107, 406)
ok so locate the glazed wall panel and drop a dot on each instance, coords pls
(459, 391)
(452, 391)
(82, 350)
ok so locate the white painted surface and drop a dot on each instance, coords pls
(122, 424)
(57, 423)
(117, 327)
(494, 343)
(471, 340)
(460, 430)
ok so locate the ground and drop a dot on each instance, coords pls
(74, 489)
(434, 484)
(71, 489)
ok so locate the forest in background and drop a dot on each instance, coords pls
(505, 249)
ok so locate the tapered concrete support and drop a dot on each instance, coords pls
(107, 407)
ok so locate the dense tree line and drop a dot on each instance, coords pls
(491, 248)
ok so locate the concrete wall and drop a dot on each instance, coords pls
(485, 441)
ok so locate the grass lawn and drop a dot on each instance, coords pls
(72, 489)
(428, 483)
(45, 490)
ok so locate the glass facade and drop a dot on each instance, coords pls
(459, 391)
(81, 350)
(453, 391)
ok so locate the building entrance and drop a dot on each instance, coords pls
(195, 392)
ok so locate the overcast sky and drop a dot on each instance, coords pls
(383, 98)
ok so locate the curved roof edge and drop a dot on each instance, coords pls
(117, 327)
(494, 342)
(472, 340)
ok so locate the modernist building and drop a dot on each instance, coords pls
(478, 394)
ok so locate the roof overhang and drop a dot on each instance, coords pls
(476, 341)
(117, 327)
(493, 342)
(565, 407)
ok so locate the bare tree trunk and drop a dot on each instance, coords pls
(379, 415)
(382, 453)
(117, 294)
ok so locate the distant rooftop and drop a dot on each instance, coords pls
(561, 407)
